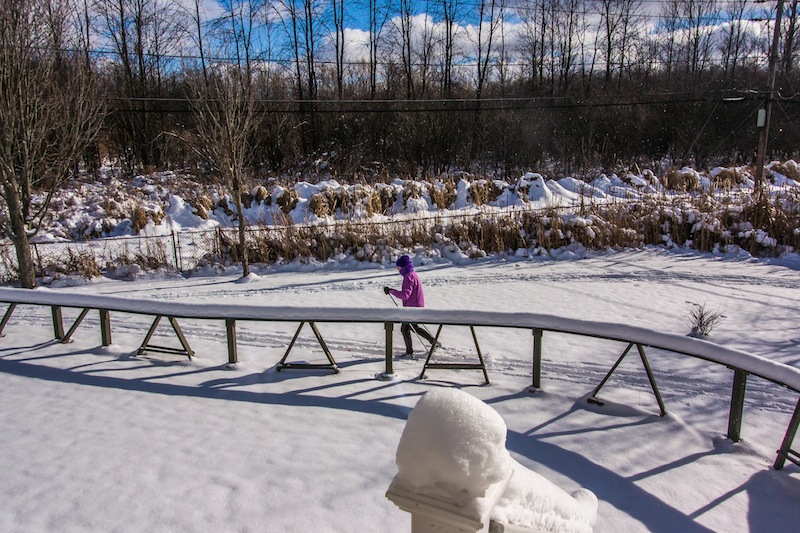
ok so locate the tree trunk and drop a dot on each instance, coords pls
(18, 235)
(242, 235)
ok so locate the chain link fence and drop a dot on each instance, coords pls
(705, 223)
(374, 240)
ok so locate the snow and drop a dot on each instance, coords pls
(452, 447)
(96, 439)
(531, 501)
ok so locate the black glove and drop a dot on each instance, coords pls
(386, 290)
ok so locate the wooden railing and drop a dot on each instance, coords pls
(742, 364)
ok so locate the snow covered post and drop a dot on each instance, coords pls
(456, 476)
(452, 464)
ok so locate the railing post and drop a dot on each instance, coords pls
(785, 452)
(6, 318)
(737, 405)
(58, 322)
(388, 372)
(537, 361)
(230, 329)
(105, 327)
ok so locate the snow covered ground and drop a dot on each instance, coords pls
(95, 439)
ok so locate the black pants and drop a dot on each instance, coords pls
(406, 328)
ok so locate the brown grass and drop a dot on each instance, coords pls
(675, 180)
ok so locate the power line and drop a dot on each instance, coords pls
(259, 60)
(437, 106)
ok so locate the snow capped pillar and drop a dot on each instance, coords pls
(452, 464)
(455, 475)
(429, 514)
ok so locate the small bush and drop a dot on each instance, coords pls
(703, 320)
(138, 219)
(260, 194)
(203, 205)
(479, 192)
(788, 169)
(443, 195)
(681, 181)
(82, 263)
(729, 178)
(318, 204)
(287, 201)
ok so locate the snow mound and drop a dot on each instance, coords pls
(533, 502)
(453, 449)
(250, 278)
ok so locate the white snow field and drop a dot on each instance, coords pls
(94, 438)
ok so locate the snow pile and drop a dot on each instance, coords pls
(453, 449)
(175, 202)
(534, 502)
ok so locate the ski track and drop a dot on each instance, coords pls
(433, 280)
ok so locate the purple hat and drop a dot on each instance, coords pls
(404, 261)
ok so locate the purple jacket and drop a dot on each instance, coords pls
(411, 294)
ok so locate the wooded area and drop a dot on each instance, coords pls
(483, 85)
(244, 91)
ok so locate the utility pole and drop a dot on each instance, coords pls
(765, 113)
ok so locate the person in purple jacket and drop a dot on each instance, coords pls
(412, 296)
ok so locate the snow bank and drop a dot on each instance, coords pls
(453, 449)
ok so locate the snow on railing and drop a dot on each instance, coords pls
(753, 364)
(742, 363)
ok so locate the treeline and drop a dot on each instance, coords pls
(485, 85)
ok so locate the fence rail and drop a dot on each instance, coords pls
(742, 364)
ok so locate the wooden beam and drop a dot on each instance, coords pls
(331, 365)
(652, 379)
(388, 370)
(455, 366)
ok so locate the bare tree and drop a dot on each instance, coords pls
(608, 35)
(377, 15)
(144, 34)
(225, 124)
(300, 19)
(537, 20)
(405, 19)
(791, 44)
(630, 20)
(490, 15)
(198, 35)
(49, 115)
(337, 7)
(451, 13)
(733, 38)
(669, 19)
(699, 35)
